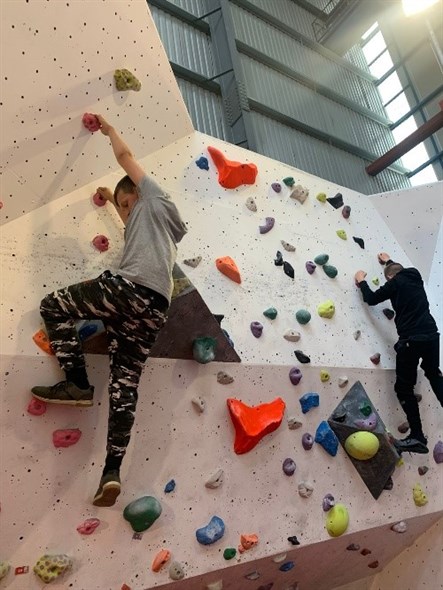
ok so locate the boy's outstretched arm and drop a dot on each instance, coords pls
(122, 152)
(373, 297)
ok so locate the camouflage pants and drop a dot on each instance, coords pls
(132, 315)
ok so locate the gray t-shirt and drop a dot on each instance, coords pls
(153, 229)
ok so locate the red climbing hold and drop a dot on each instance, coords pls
(253, 423)
(66, 438)
(36, 407)
(101, 243)
(227, 266)
(42, 341)
(91, 122)
(232, 174)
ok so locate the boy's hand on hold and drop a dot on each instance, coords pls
(106, 193)
(360, 276)
(383, 257)
(105, 127)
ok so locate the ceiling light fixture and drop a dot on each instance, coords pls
(411, 7)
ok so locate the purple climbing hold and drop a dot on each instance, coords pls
(346, 211)
(288, 269)
(375, 358)
(353, 547)
(268, 225)
(278, 260)
(328, 502)
(389, 313)
(202, 163)
(336, 201)
(276, 187)
(295, 375)
(307, 441)
(310, 266)
(369, 423)
(422, 470)
(438, 452)
(288, 466)
(359, 241)
(302, 357)
(257, 329)
(308, 401)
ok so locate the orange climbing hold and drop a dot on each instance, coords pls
(42, 341)
(160, 559)
(232, 174)
(252, 423)
(227, 266)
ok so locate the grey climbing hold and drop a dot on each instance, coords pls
(342, 381)
(278, 260)
(299, 193)
(346, 211)
(307, 441)
(310, 267)
(423, 470)
(437, 453)
(199, 404)
(287, 246)
(359, 241)
(336, 201)
(339, 416)
(292, 335)
(330, 271)
(293, 423)
(253, 575)
(375, 358)
(270, 313)
(256, 329)
(403, 427)
(325, 437)
(389, 313)
(302, 357)
(353, 547)
(216, 480)
(357, 334)
(224, 379)
(399, 527)
(194, 262)
(328, 502)
(288, 269)
(276, 187)
(176, 571)
(295, 375)
(212, 532)
(308, 401)
(251, 204)
(303, 316)
(305, 489)
(321, 259)
(267, 226)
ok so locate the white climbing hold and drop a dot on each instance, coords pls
(176, 571)
(293, 423)
(253, 575)
(291, 335)
(224, 378)
(4, 568)
(279, 558)
(215, 480)
(251, 204)
(342, 381)
(218, 585)
(288, 247)
(357, 334)
(305, 489)
(199, 404)
(194, 262)
(299, 193)
(399, 527)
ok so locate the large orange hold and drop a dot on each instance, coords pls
(252, 423)
(227, 266)
(232, 174)
(42, 341)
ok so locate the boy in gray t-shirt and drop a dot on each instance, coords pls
(132, 304)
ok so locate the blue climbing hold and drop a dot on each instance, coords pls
(326, 438)
(170, 486)
(285, 567)
(308, 401)
(228, 338)
(212, 532)
(87, 330)
(202, 163)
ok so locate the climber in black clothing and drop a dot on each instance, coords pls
(418, 339)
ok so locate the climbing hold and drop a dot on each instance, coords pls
(180, 285)
(389, 313)
(369, 423)
(86, 331)
(346, 212)
(336, 201)
(232, 174)
(423, 470)
(293, 540)
(194, 262)
(308, 401)
(66, 438)
(279, 558)
(389, 484)
(170, 486)
(176, 571)
(101, 243)
(321, 259)
(125, 80)
(268, 586)
(326, 309)
(91, 122)
(212, 532)
(328, 502)
(339, 416)
(299, 193)
(278, 260)
(376, 281)
(353, 547)
(365, 409)
(341, 234)
(42, 341)
(202, 163)
(365, 551)
(362, 445)
(251, 204)
(303, 316)
(50, 567)
(229, 553)
(224, 378)
(142, 513)
(324, 375)
(295, 375)
(305, 489)
(288, 269)
(337, 520)
(252, 423)
(270, 313)
(276, 187)
(310, 267)
(307, 441)
(228, 338)
(217, 585)
(289, 466)
(302, 357)
(247, 542)
(4, 568)
(162, 557)
(418, 397)
(227, 266)
(36, 407)
(289, 181)
(88, 526)
(342, 381)
(99, 200)
(419, 496)
(293, 423)
(288, 247)
(199, 404)
(321, 197)
(375, 358)
(285, 567)
(357, 334)
(399, 527)
(325, 437)
(253, 575)
(373, 564)
(256, 329)
(203, 349)
(437, 453)
(215, 480)
(292, 335)
(330, 271)
(359, 241)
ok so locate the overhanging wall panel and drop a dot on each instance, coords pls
(289, 13)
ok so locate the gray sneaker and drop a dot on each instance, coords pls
(108, 489)
(66, 393)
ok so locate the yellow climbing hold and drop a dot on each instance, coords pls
(341, 234)
(362, 445)
(179, 286)
(321, 197)
(324, 375)
(400, 462)
(376, 281)
(326, 309)
(50, 567)
(337, 520)
(419, 496)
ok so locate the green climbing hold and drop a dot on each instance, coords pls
(365, 409)
(321, 259)
(303, 316)
(341, 234)
(270, 313)
(142, 513)
(289, 181)
(229, 553)
(326, 309)
(330, 270)
(321, 197)
(376, 281)
(203, 349)
(125, 80)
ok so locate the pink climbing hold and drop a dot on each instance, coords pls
(101, 243)
(36, 407)
(91, 122)
(66, 438)
(1, 204)
(99, 200)
(88, 526)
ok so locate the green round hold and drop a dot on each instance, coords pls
(365, 409)
(270, 313)
(321, 259)
(289, 181)
(330, 270)
(326, 309)
(229, 553)
(142, 513)
(303, 316)
(321, 197)
(203, 350)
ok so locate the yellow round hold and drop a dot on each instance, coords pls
(324, 376)
(362, 445)
(337, 520)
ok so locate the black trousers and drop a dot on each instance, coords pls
(132, 315)
(409, 353)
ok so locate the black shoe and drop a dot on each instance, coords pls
(411, 445)
(108, 489)
(65, 393)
